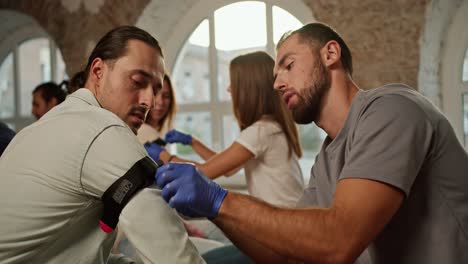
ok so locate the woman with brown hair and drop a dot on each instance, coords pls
(160, 117)
(268, 146)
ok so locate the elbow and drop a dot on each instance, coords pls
(204, 168)
(341, 258)
(229, 173)
(343, 254)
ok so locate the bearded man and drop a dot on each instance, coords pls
(390, 179)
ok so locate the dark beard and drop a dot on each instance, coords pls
(307, 110)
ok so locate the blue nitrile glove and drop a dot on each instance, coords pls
(174, 136)
(154, 150)
(190, 192)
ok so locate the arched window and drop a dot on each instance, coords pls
(28, 64)
(455, 74)
(201, 74)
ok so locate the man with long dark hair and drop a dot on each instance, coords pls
(65, 178)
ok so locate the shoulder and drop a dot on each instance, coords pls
(394, 100)
(264, 126)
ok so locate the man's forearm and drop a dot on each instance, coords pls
(305, 234)
(247, 244)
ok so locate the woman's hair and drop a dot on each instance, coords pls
(168, 119)
(253, 96)
(51, 90)
(114, 45)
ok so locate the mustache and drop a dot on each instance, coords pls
(140, 110)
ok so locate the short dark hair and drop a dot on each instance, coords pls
(51, 90)
(318, 34)
(113, 45)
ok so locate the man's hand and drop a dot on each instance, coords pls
(154, 150)
(187, 190)
(174, 136)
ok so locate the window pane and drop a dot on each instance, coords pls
(240, 25)
(61, 72)
(191, 74)
(234, 36)
(311, 140)
(34, 68)
(465, 67)
(7, 90)
(197, 124)
(11, 126)
(465, 118)
(230, 130)
(283, 21)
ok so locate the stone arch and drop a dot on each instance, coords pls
(438, 17)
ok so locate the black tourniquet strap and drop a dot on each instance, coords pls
(140, 175)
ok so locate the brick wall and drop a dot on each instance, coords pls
(385, 36)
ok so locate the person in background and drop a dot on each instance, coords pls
(268, 146)
(160, 118)
(46, 96)
(6, 135)
(390, 179)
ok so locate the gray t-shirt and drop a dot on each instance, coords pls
(394, 135)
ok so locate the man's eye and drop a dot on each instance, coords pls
(140, 83)
(289, 66)
(137, 83)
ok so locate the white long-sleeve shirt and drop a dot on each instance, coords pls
(53, 175)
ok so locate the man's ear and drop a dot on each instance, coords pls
(331, 53)
(52, 102)
(96, 71)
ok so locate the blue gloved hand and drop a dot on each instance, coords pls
(174, 136)
(154, 150)
(190, 192)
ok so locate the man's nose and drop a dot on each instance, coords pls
(279, 83)
(147, 97)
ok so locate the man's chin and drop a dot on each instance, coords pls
(302, 117)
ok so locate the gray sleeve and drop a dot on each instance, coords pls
(156, 231)
(309, 196)
(152, 227)
(390, 142)
(112, 153)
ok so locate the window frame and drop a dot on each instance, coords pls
(17, 120)
(452, 85)
(215, 106)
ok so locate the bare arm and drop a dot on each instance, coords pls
(202, 150)
(226, 162)
(252, 248)
(337, 234)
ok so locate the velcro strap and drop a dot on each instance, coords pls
(140, 175)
